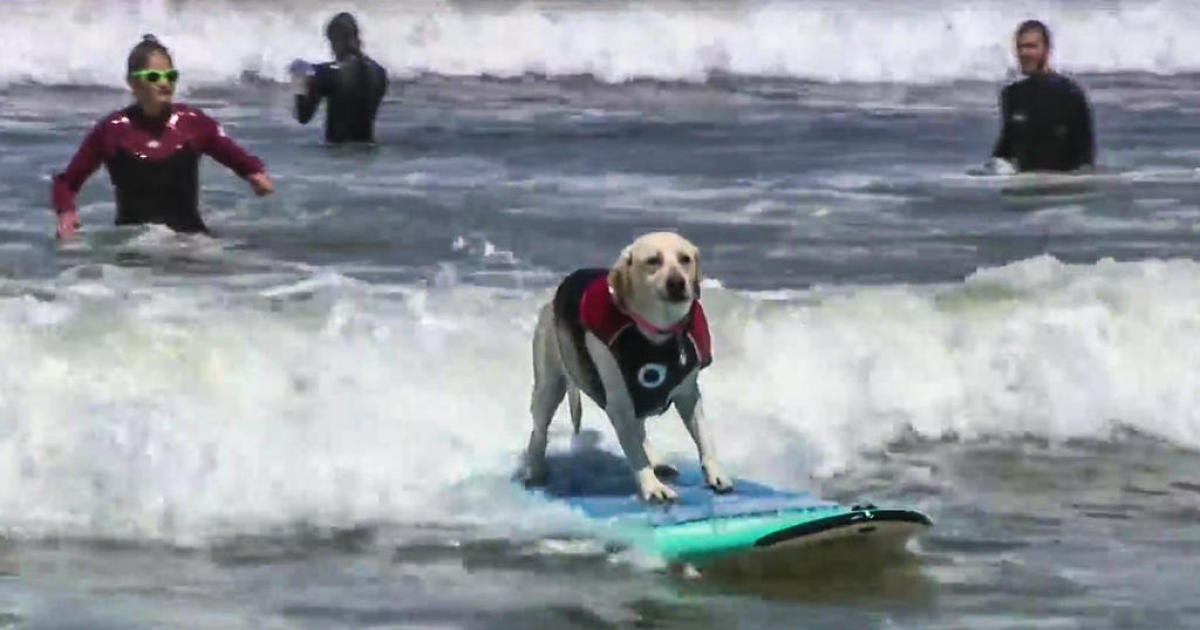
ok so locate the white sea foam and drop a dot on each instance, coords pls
(128, 409)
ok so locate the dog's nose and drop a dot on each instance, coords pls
(676, 287)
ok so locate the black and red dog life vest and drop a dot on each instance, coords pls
(583, 303)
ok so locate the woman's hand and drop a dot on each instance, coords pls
(261, 184)
(67, 223)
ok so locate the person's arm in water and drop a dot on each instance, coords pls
(1083, 139)
(67, 183)
(1002, 161)
(315, 86)
(1004, 148)
(215, 143)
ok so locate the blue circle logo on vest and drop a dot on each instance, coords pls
(652, 375)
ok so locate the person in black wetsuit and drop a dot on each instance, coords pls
(1046, 124)
(353, 83)
(152, 151)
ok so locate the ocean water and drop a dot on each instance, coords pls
(309, 418)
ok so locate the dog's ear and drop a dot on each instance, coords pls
(620, 277)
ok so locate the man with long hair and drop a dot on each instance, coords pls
(353, 84)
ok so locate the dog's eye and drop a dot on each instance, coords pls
(685, 259)
(654, 261)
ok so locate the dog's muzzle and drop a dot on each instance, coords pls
(677, 289)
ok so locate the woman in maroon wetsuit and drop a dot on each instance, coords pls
(152, 152)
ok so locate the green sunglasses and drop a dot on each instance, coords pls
(154, 76)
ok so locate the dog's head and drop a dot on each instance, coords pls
(658, 277)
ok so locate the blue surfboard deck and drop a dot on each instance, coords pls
(703, 526)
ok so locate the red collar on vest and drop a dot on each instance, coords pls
(600, 313)
(648, 326)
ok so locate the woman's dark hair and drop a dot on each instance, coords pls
(1034, 25)
(343, 34)
(140, 55)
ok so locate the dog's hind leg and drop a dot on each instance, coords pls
(549, 387)
(547, 395)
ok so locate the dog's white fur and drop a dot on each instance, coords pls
(645, 278)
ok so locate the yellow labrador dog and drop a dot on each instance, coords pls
(634, 339)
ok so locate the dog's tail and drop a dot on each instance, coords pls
(575, 406)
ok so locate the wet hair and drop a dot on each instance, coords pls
(343, 34)
(140, 55)
(1034, 25)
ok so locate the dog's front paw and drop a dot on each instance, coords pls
(716, 478)
(658, 492)
(652, 490)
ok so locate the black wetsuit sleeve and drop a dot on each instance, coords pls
(1004, 144)
(381, 83)
(320, 85)
(1083, 139)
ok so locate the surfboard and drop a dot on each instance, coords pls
(1036, 190)
(704, 528)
